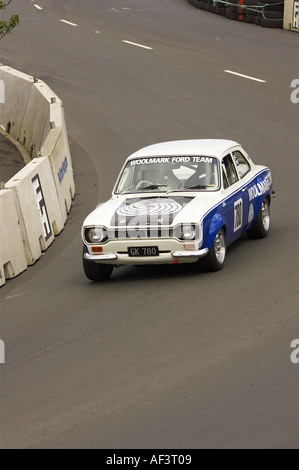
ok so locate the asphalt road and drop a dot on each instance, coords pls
(168, 357)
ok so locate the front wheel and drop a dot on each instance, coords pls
(97, 271)
(261, 225)
(215, 258)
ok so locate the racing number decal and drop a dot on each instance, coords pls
(238, 214)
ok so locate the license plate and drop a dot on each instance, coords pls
(143, 251)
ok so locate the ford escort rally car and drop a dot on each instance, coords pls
(181, 201)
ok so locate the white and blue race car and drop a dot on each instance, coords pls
(175, 202)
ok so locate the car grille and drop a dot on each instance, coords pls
(140, 232)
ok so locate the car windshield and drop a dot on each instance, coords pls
(169, 174)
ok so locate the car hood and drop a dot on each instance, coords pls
(152, 209)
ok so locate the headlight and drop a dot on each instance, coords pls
(188, 232)
(95, 234)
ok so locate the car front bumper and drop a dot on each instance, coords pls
(166, 256)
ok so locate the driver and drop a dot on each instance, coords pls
(151, 175)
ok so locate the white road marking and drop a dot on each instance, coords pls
(136, 44)
(16, 295)
(38, 7)
(245, 76)
(68, 22)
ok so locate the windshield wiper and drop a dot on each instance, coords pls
(153, 186)
(196, 186)
(150, 186)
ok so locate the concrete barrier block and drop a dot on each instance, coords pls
(16, 87)
(57, 150)
(42, 191)
(55, 108)
(36, 122)
(38, 207)
(56, 114)
(12, 256)
(68, 174)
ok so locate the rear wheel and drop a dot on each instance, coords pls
(261, 225)
(97, 271)
(215, 258)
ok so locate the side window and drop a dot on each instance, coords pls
(224, 177)
(229, 170)
(125, 180)
(241, 163)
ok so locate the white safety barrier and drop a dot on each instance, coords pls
(291, 15)
(38, 198)
(57, 149)
(12, 254)
(17, 87)
(38, 208)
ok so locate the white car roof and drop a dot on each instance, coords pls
(208, 147)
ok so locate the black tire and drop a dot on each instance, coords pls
(234, 16)
(214, 260)
(227, 12)
(258, 19)
(273, 15)
(261, 225)
(271, 23)
(274, 6)
(219, 10)
(97, 271)
(249, 18)
(250, 11)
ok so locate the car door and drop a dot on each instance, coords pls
(236, 201)
(243, 168)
